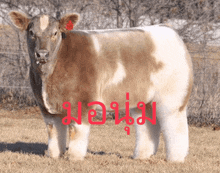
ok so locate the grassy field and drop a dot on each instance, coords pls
(23, 141)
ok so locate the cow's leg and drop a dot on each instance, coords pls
(79, 138)
(56, 136)
(175, 131)
(147, 136)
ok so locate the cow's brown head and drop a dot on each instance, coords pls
(44, 35)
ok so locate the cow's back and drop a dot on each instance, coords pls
(142, 61)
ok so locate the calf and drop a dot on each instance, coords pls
(151, 63)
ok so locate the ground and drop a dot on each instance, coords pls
(23, 141)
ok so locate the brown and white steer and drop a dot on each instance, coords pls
(151, 63)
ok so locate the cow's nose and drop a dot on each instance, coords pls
(40, 54)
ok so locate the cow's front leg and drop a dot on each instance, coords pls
(56, 136)
(78, 141)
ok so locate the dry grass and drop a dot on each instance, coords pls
(23, 140)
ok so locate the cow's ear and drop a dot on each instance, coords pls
(20, 20)
(68, 22)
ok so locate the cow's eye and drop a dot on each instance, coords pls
(55, 33)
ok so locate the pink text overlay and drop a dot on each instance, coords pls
(115, 106)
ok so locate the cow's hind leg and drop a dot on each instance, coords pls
(78, 142)
(147, 136)
(175, 131)
(56, 136)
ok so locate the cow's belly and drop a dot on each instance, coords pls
(132, 93)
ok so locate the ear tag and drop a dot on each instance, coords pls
(69, 25)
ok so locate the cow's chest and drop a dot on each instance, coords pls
(50, 103)
(55, 92)
(53, 95)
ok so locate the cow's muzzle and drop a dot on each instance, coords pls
(41, 56)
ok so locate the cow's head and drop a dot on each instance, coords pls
(44, 35)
